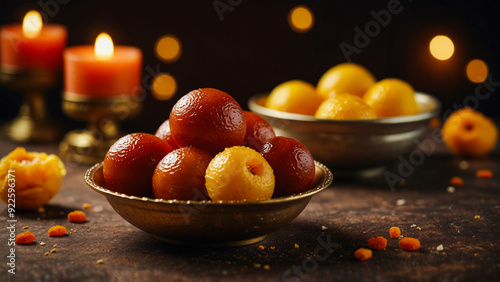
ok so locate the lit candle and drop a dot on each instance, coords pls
(32, 45)
(102, 69)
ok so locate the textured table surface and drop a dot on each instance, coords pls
(336, 222)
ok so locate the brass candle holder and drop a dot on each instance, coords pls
(103, 114)
(33, 123)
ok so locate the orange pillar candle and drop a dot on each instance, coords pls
(102, 70)
(32, 45)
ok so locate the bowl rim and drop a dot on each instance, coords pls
(327, 176)
(261, 110)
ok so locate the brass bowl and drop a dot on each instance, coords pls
(353, 148)
(208, 223)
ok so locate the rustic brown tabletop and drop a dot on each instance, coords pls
(319, 245)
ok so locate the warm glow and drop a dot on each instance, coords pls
(477, 71)
(32, 24)
(168, 48)
(103, 47)
(301, 19)
(164, 86)
(441, 47)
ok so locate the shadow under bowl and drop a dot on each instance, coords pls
(208, 223)
(353, 148)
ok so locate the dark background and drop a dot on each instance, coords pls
(253, 49)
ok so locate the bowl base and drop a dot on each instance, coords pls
(237, 243)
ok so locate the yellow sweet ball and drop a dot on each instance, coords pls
(345, 107)
(345, 78)
(392, 97)
(239, 173)
(294, 96)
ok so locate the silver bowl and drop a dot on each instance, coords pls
(208, 223)
(353, 148)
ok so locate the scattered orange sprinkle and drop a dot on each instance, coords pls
(261, 247)
(272, 247)
(57, 231)
(53, 250)
(456, 181)
(378, 243)
(435, 123)
(394, 232)
(477, 217)
(77, 216)
(484, 173)
(25, 227)
(46, 253)
(25, 238)
(363, 253)
(86, 206)
(266, 267)
(256, 265)
(409, 244)
(296, 245)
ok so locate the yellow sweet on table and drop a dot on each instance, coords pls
(31, 178)
(469, 133)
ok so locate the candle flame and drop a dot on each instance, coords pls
(32, 24)
(103, 47)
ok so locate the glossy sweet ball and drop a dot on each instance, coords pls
(130, 162)
(180, 175)
(258, 131)
(208, 119)
(164, 133)
(292, 163)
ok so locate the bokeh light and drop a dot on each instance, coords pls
(163, 86)
(477, 71)
(441, 47)
(301, 19)
(168, 48)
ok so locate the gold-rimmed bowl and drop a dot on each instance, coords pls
(353, 148)
(208, 223)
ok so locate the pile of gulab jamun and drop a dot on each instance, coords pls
(208, 141)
